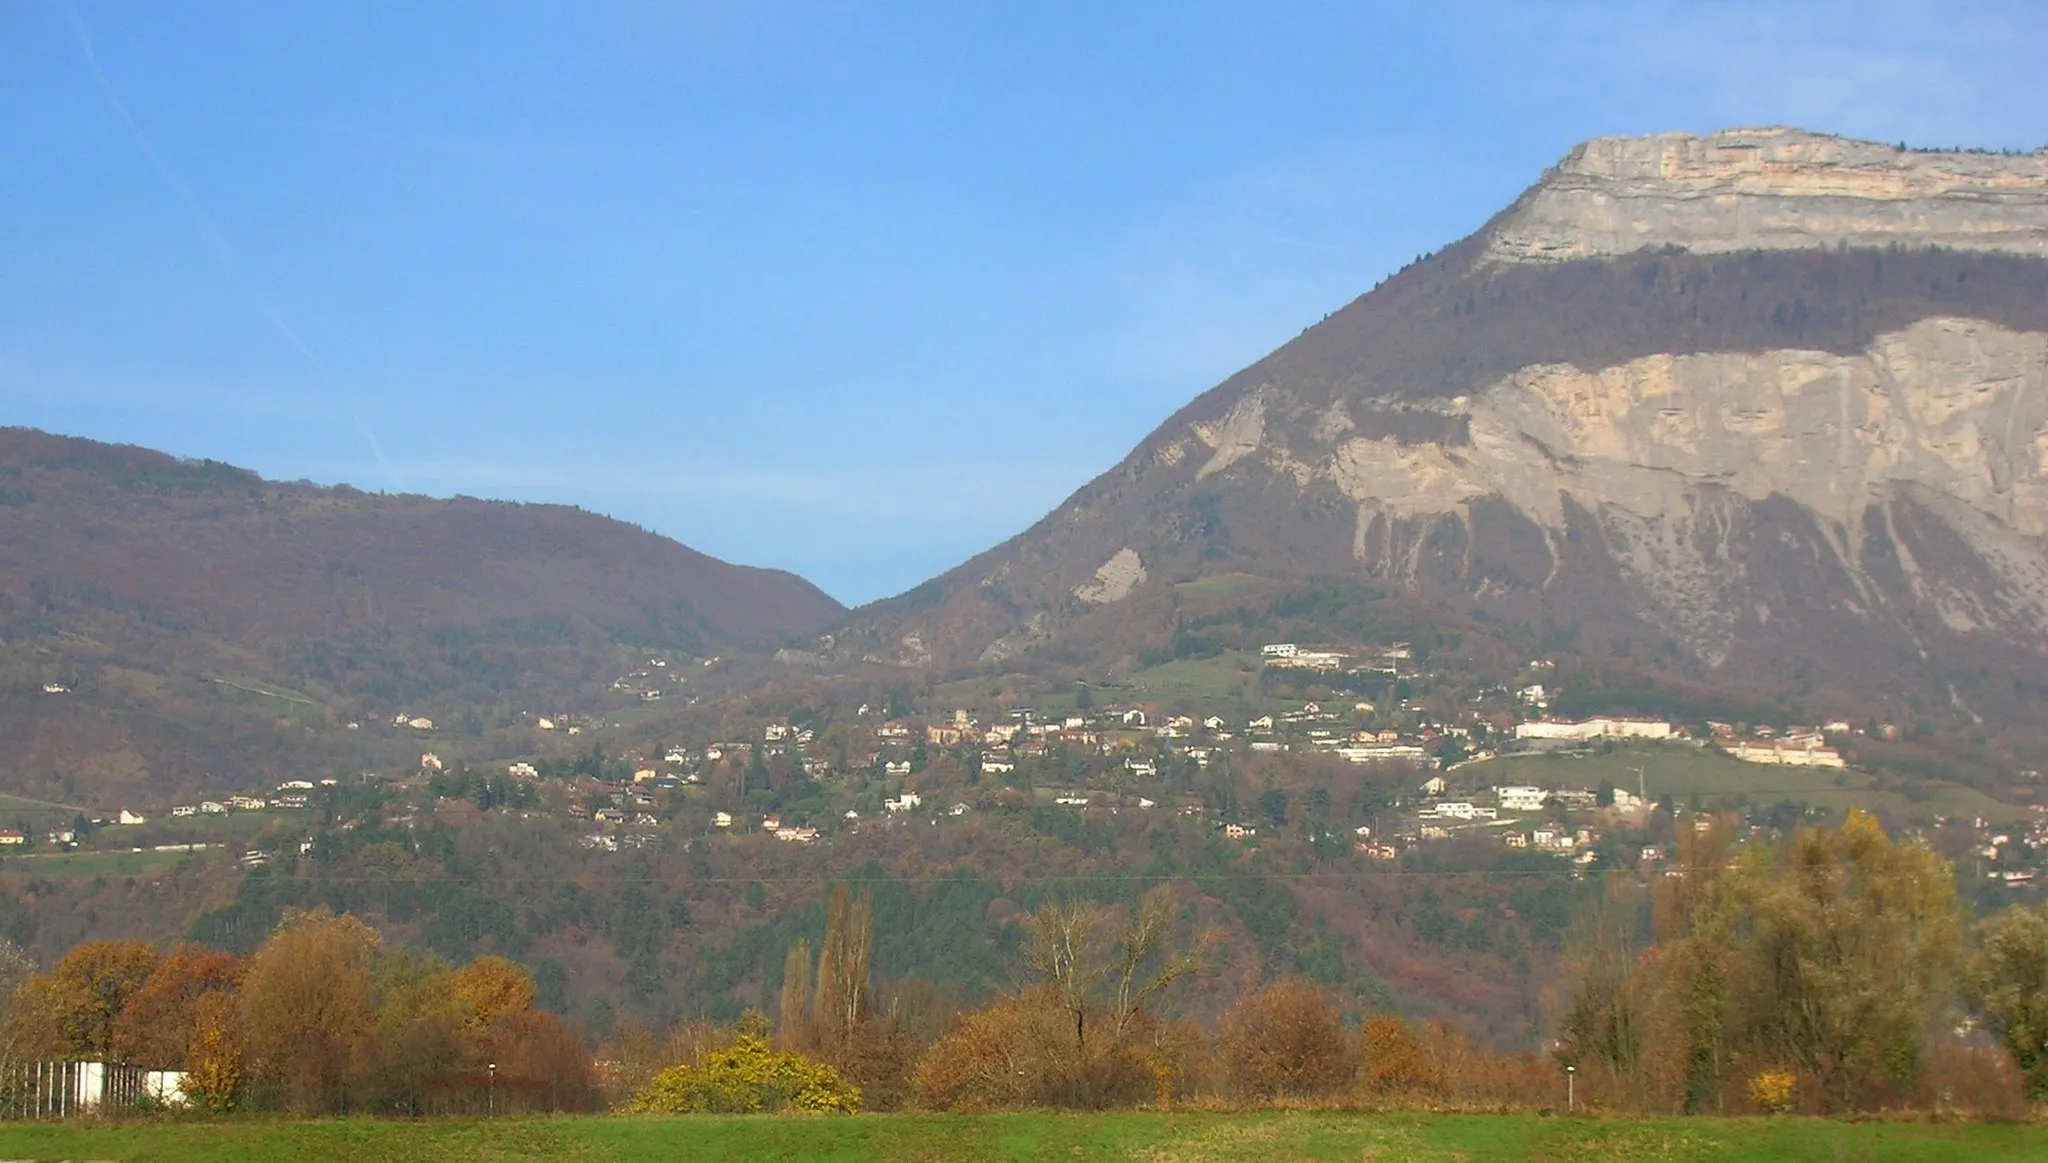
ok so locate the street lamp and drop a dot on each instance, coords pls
(491, 1096)
(1571, 1075)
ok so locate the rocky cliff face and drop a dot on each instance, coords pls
(1763, 397)
(1774, 189)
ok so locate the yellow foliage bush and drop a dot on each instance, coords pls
(745, 1078)
(1773, 1090)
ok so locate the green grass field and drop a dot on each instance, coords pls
(1715, 778)
(1228, 678)
(1223, 585)
(1151, 1137)
(121, 863)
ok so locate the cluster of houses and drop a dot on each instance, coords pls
(1440, 818)
(1795, 747)
(1138, 742)
(292, 794)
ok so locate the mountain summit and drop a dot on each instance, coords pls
(1743, 407)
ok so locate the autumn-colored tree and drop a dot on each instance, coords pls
(491, 988)
(1846, 949)
(793, 1023)
(1830, 954)
(2007, 982)
(1103, 974)
(72, 1009)
(15, 971)
(157, 1025)
(422, 1042)
(845, 967)
(1392, 1060)
(214, 1062)
(1602, 1030)
(992, 1059)
(308, 1004)
(541, 1064)
(1286, 1039)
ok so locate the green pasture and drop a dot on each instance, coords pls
(1684, 772)
(1150, 1137)
(1223, 585)
(100, 863)
(1229, 677)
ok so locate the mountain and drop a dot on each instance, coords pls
(1764, 411)
(208, 626)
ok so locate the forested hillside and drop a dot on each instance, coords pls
(173, 625)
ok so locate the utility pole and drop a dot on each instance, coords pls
(1571, 1097)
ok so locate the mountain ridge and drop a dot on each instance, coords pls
(137, 581)
(1499, 434)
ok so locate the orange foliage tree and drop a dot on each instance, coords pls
(307, 1008)
(490, 988)
(1392, 1060)
(1286, 1039)
(71, 1011)
(157, 1024)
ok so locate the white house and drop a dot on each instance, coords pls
(721, 819)
(1521, 799)
(128, 817)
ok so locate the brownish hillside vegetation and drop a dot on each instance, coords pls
(205, 620)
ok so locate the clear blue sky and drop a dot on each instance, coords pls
(853, 289)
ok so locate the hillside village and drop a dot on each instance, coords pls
(1433, 775)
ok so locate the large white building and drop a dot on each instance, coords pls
(1789, 752)
(1602, 728)
(1521, 799)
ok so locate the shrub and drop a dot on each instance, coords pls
(1773, 1090)
(1393, 1060)
(748, 1077)
(1286, 1039)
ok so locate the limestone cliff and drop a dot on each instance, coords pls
(1746, 189)
(1754, 395)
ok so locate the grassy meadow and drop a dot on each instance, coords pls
(1718, 780)
(1194, 1137)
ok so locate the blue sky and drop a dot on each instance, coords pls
(857, 290)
